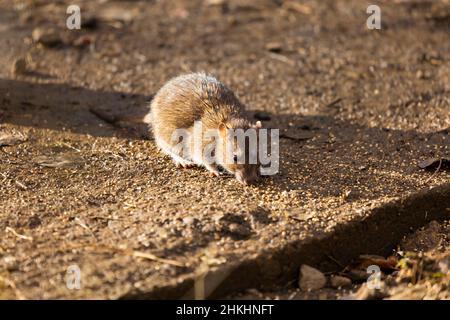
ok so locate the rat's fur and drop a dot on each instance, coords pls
(200, 97)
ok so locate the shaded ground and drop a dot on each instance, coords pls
(358, 108)
(418, 269)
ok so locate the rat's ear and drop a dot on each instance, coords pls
(258, 125)
(223, 129)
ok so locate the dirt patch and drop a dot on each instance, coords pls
(359, 110)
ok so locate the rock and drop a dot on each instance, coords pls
(19, 66)
(10, 263)
(34, 222)
(188, 220)
(118, 13)
(47, 37)
(340, 282)
(239, 230)
(274, 47)
(444, 265)
(311, 278)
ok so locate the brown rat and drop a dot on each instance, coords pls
(201, 100)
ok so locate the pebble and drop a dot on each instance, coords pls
(239, 230)
(311, 278)
(340, 282)
(46, 37)
(19, 66)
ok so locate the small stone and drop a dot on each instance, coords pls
(239, 230)
(208, 228)
(340, 282)
(19, 66)
(46, 37)
(217, 217)
(444, 265)
(34, 222)
(10, 263)
(274, 47)
(311, 278)
(300, 214)
(188, 220)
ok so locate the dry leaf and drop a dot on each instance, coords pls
(431, 163)
(58, 161)
(11, 139)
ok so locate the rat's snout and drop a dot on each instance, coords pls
(245, 178)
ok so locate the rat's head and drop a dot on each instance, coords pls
(239, 148)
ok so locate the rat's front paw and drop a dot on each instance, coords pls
(213, 170)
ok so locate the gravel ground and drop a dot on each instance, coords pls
(82, 184)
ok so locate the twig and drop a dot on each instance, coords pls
(17, 182)
(435, 172)
(333, 103)
(21, 236)
(151, 256)
(13, 286)
(71, 147)
(281, 58)
(129, 252)
(79, 222)
(335, 261)
(21, 185)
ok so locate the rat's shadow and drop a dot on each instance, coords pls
(320, 155)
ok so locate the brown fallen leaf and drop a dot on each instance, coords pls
(58, 161)
(431, 163)
(385, 264)
(300, 214)
(11, 139)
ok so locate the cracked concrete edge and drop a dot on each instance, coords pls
(377, 233)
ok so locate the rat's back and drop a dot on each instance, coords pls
(189, 98)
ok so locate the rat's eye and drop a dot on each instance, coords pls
(235, 158)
